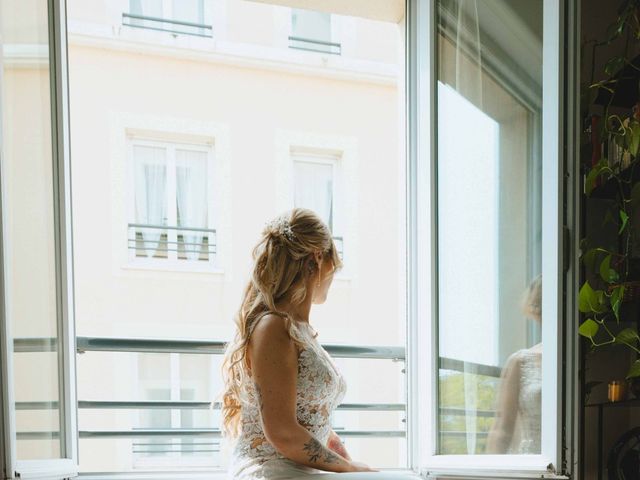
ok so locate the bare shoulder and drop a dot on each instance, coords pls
(270, 341)
(271, 333)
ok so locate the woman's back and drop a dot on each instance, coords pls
(319, 390)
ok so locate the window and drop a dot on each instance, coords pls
(175, 16)
(179, 379)
(171, 214)
(311, 30)
(314, 188)
(491, 252)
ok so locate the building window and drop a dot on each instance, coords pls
(314, 187)
(311, 31)
(173, 379)
(171, 214)
(186, 17)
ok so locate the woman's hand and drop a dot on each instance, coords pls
(362, 467)
(335, 444)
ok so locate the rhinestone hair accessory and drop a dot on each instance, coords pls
(282, 226)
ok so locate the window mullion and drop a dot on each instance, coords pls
(172, 211)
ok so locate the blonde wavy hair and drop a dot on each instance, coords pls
(280, 270)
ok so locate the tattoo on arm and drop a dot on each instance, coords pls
(315, 451)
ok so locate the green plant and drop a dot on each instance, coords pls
(608, 268)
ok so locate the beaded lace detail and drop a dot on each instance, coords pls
(530, 401)
(320, 389)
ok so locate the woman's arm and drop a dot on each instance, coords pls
(273, 359)
(508, 404)
(335, 444)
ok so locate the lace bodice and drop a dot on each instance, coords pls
(530, 401)
(320, 388)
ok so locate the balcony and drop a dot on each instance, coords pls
(318, 46)
(198, 446)
(175, 27)
(183, 243)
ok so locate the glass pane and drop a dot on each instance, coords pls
(27, 189)
(311, 25)
(194, 240)
(489, 226)
(189, 11)
(150, 187)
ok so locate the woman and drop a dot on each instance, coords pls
(519, 399)
(280, 384)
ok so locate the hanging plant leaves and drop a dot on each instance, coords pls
(607, 273)
(591, 300)
(628, 336)
(634, 371)
(624, 218)
(590, 257)
(589, 328)
(634, 138)
(593, 175)
(613, 65)
(616, 300)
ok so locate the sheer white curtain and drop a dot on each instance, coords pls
(466, 79)
(191, 198)
(313, 188)
(150, 193)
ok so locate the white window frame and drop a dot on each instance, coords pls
(422, 264)
(67, 465)
(176, 383)
(167, 10)
(170, 148)
(321, 158)
(335, 30)
(343, 151)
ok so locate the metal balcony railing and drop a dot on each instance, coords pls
(101, 344)
(163, 241)
(142, 345)
(177, 27)
(318, 46)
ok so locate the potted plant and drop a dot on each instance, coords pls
(612, 272)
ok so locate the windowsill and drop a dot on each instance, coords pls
(168, 475)
(161, 265)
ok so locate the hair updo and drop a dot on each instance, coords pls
(283, 259)
(532, 301)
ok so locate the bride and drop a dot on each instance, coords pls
(281, 386)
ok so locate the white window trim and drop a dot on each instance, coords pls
(323, 158)
(422, 325)
(176, 383)
(168, 14)
(344, 149)
(170, 148)
(122, 126)
(336, 30)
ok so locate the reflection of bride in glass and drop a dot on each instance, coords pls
(516, 428)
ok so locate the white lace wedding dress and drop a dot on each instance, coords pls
(320, 388)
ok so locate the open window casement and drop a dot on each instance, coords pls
(485, 224)
(36, 324)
